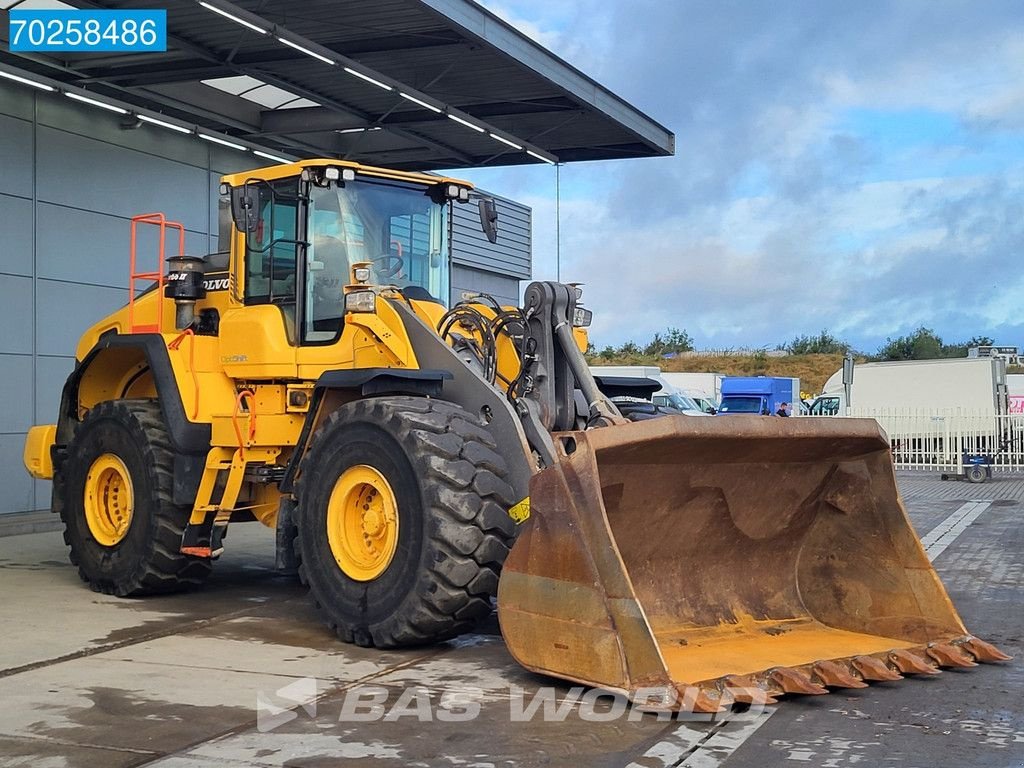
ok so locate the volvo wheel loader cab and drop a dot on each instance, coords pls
(312, 377)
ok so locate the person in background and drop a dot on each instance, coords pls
(783, 409)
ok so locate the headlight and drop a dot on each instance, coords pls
(361, 274)
(581, 317)
(360, 301)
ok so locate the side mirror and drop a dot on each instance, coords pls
(243, 208)
(489, 218)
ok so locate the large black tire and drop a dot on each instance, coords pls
(454, 531)
(147, 559)
(976, 473)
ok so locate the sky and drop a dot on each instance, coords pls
(855, 167)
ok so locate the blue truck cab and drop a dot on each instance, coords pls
(757, 394)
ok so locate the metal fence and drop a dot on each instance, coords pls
(939, 440)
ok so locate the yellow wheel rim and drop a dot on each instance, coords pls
(109, 500)
(362, 523)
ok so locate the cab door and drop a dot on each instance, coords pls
(259, 334)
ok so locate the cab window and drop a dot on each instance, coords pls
(825, 406)
(271, 247)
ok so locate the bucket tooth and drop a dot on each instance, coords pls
(794, 681)
(700, 700)
(949, 655)
(911, 664)
(984, 651)
(836, 676)
(747, 689)
(871, 668)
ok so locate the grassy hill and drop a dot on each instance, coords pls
(812, 370)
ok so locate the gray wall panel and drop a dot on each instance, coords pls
(504, 289)
(65, 310)
(89, 247)
(17, 494)
(510, 255)
(81, 246)
(16, 156)
(224, 160)
(15, 393)
(118, 181)
(51, 373)
(15, 235)
(93, 123)
(16, 314)
(43, 491)
(16, 101)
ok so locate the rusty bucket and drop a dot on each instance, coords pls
(725, 558)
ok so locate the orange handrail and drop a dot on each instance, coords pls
(175, 344)
(245, 394)
(160, 221)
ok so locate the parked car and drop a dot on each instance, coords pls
(688, 406)
(704, 388)
(636, 399)
(667, 394)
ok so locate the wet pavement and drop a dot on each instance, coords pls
(242, 673)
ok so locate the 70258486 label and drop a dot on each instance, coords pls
(88, 31)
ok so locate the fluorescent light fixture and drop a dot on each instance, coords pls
(368, 79)
(306, 51)
(531, 153)
(226, 15)
(357, 130)
(503, 140)
(466, 123)
(422, 103)
(100, 104)
(224, 142)
(269, 156)
(162, 124)
(26, 81)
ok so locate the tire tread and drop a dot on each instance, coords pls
(163, 569)
(467, 494)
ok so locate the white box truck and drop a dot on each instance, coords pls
(938, 414)
(968, 385)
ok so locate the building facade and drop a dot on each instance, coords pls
(71, 176)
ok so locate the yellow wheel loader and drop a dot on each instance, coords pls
(311, 377)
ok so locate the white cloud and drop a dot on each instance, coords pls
(546, 37)
(775, 219)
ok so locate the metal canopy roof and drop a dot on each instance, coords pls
(407, 84)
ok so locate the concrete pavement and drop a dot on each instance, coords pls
(243, 673)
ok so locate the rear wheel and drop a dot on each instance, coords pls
(113, 492)
(976, 473)
(402, 521)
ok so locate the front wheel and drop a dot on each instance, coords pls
(402, 521)
(113, 492)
